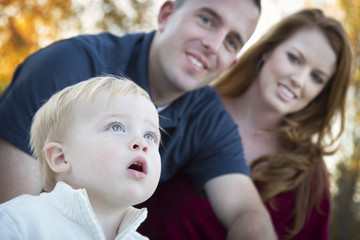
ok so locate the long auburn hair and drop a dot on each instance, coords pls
(303, 133)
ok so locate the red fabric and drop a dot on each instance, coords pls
(177, 212)
(317, 226)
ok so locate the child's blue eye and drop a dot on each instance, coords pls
(149, 137)
(117, 128)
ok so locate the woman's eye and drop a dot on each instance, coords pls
(117, 128)
(316, 78)
(293, 58)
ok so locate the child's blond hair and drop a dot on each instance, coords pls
(52, 121)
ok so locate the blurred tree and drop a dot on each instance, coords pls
(345, 220)
(135, 16)
(345, 216)
(27, 25)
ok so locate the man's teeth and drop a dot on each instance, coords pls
(196, 62)
(287, 92)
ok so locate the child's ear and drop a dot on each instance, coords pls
(55, 157)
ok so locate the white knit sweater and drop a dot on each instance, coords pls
(64, 213)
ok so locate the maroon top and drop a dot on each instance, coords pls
(177, 212)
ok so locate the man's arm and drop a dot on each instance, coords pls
(18, 172)
(238, 206)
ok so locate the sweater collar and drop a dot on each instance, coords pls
(75, 204)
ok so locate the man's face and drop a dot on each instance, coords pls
(199, 40)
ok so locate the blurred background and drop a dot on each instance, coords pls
(28, 25)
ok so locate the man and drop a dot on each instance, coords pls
(195, 42)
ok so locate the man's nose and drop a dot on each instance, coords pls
(214, 41)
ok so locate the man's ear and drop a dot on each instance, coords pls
(233, 63)
(55, 157)
(166, 10)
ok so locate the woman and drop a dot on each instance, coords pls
(284, 93)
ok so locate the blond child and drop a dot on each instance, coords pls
(97, 144)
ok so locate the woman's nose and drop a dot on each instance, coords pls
(300, 78)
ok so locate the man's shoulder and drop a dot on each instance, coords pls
(198, 107)
(109, 40)
(203, 99)
(112, 51)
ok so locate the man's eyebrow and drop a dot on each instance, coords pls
(211, 12)
(220, 19)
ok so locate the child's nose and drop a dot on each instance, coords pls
(138, 144)
(138, 147)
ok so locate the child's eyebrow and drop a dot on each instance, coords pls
(115, 115)
(153, 125)
(126, 117)
(110, 116)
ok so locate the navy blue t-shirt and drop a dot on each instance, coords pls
(200, 137)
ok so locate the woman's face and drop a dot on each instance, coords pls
(296, 71)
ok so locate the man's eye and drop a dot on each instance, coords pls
(293, 58)
(117, 128)
(206, 20)
(232, 45)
